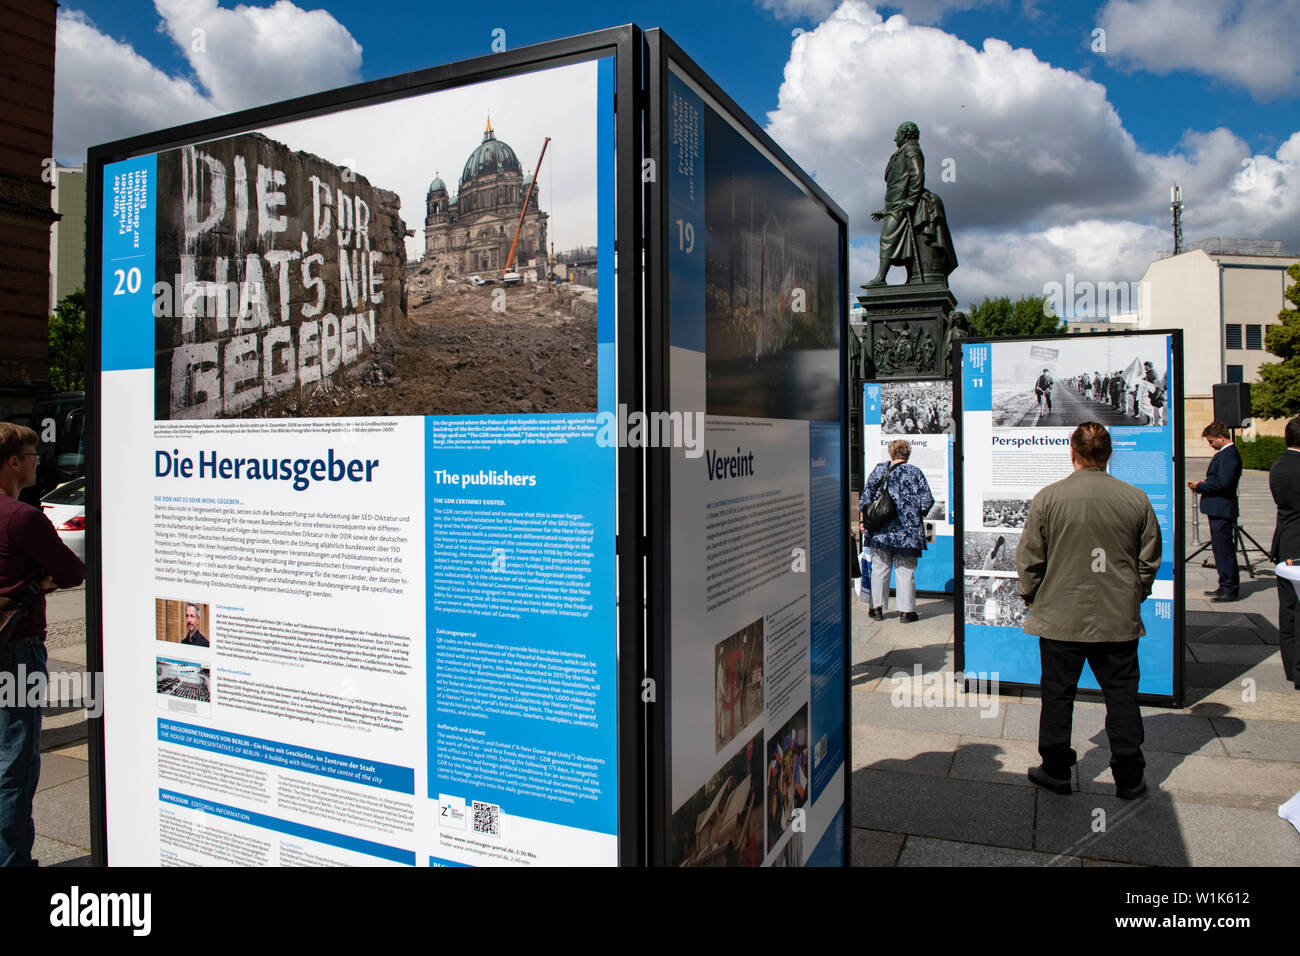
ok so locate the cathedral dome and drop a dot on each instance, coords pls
(437, 185)
(490, 157)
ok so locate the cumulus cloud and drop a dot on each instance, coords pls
(104, 90)
(1248, 43)
(1036, 170)
(246, 56)
(254, 55)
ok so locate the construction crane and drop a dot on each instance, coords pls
(510, 259)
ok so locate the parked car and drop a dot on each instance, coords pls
(476, 280)
(59, 422)
(65, 506)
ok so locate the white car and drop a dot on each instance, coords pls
(476, 280)
(512, 278)
(65, 506)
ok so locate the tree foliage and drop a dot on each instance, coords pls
(1277, 394)
(1028, 315)
(68, 343)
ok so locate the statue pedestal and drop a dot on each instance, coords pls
(906, 326)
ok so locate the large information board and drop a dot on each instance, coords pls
(1018, 402)
(748, 633)
(357, 494)
(920, 413)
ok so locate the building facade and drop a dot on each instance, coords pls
(1223, 294)
(68, 237)
(26, 164)
(471, 232)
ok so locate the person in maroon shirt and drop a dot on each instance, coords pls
(30, 549)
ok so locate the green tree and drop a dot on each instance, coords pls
(1277, 394)
(1028, 315)
(68, 343)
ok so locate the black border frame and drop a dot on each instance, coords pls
(660, 50)
(625, 44)
(1180, 596)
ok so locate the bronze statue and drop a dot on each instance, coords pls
(914, 229)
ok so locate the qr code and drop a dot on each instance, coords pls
(487, 818)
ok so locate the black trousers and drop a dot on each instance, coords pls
(1225, 555)
(1115, 665)
(1287, 637)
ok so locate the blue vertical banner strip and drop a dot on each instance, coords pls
(826, 522)
(976, 381)
(606, 300)
(871, 404)
(685, 216)
(127, 276)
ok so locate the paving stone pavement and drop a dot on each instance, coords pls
(945, 786)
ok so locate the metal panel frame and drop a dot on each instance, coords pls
(660, 51)
(1180, 489)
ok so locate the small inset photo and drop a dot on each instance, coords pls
(1005, 511)
(184, 686)
(994, 601)
(991, 550)
(738, 686)
(182, 622)
(787, 774)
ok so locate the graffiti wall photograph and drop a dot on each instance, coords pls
(430, 255)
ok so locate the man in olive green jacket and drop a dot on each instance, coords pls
(1087, 558)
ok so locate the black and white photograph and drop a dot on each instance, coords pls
(1005, 511)
(184, 686)
(433, 255)
(939, 512)
(990, 550)
(994, 601)
(916, 408)
(1116, 380)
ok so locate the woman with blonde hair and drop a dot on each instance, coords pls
(899, 542)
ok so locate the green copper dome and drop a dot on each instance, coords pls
(491, 156)
(437, 184)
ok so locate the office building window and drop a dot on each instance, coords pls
(1254, 336)
(1234, 374)
(1233, 335)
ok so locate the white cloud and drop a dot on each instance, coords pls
(246, 56)
(1248, 43)
(104, 90)
(250, 55)
(1047, 179)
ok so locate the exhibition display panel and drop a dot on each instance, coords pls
(346, 414)
(918, 411)
(385, 443)
(748, 607)
(1018, 400)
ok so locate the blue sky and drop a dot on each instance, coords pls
(1062, 142)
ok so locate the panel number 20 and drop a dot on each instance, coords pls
(128, 280)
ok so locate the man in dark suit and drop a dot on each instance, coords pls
(1219, 504)
(1284, 482)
